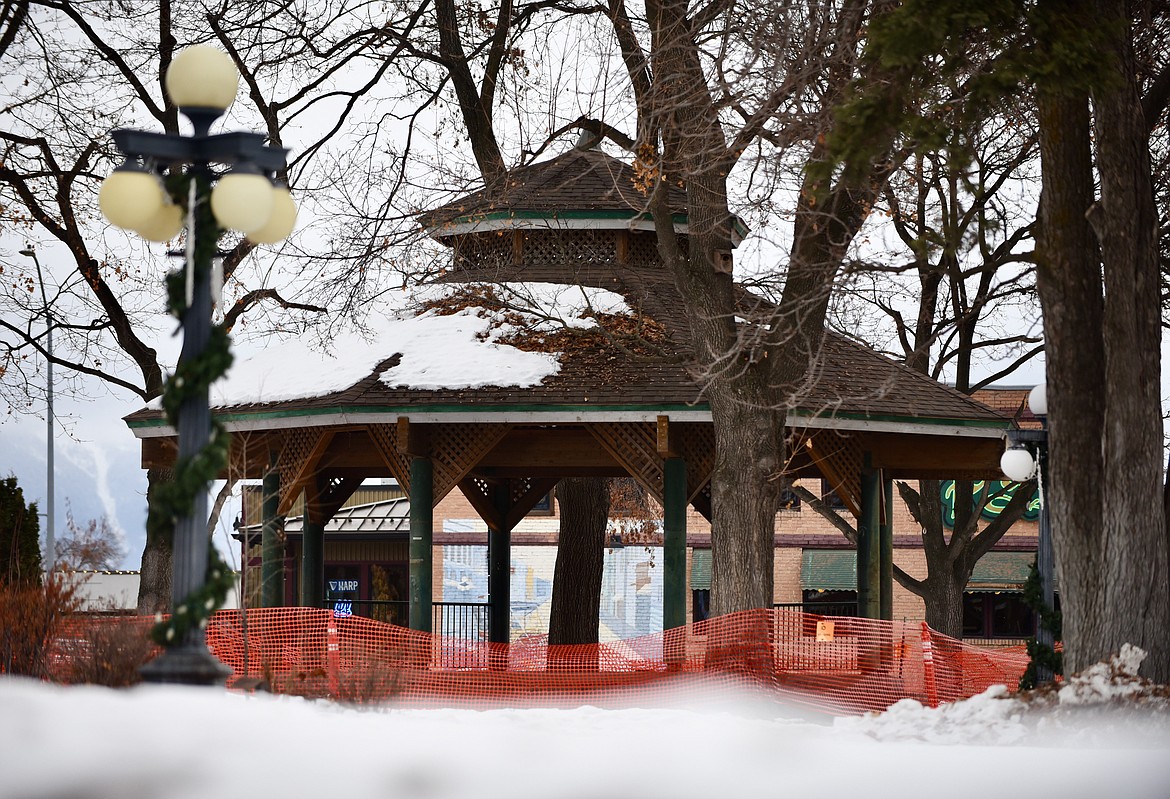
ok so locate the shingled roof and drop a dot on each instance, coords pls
(579, 180)
(849, 383)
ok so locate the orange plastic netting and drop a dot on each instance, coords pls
(839, 665)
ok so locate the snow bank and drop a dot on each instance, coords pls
(181, 743)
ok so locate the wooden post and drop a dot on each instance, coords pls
(313, 549)
(422, 516)
(887, 549)
(500, 568)
(674, 545)
(271, 552)
(869, 544)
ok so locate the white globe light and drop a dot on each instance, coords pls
(1017, 464)
(164, 225)
(130, 196)
(202, 77)
(242, 200)
(1038, 399)
(281, 221)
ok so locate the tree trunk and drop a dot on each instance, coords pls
(944, 605)
(1104, 420)
(576, 595)
(745, 498)
(154, 586)
(1137, 608)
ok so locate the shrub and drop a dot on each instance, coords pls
(31, 618)
(110, 651)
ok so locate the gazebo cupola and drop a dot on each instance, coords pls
(583, 209)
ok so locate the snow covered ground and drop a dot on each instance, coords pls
(1094, 738)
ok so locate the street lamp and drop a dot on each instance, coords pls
(1026, 457)
(166, 184)
(50, 521)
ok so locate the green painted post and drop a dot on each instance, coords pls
(869, 544)
(674, 545)
(500, 570)
(422, 516)
(271, 560)
(887, 549)
(312, 562)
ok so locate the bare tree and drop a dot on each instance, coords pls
(93, 545)
(89, 68)
(713, 85)
(1099, 280)
(960, 285)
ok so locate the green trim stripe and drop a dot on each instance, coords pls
(794, 419)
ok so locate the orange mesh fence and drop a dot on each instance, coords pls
(839, 665)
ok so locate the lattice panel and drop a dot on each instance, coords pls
(697, 448)
(483, 250)
(457, 448)
(384, 437)
(293, 462)
(840, 460)
(517, 488)
(571, 247)
(635, 447)
(643, 251)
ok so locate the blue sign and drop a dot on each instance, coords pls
(342, 609)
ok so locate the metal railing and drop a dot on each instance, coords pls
(820, 608)
(461, 629)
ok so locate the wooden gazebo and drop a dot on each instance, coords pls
(621, 403)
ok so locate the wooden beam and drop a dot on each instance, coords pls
(530, 492)
(412, 440)
(300, 458)
(159, 453)
(477, 493)
(517, 247)
(634, 446)
(839, 460)
(667, 448)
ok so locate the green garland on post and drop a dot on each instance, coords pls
(1041, 654)
(176, 499)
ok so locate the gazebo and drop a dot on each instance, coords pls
(614, 396)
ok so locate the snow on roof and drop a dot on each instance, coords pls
(457, 349)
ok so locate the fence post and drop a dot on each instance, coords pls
(928, 667)
(333, 656)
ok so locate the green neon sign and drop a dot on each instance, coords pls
(1000, 493)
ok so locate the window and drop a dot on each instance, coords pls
(830, 603)
(788, 499)
(1001, 614)
(700, 604)
(829, 496)
(543, 506)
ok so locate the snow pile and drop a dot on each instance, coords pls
(993, 717)
(1106, 704)
(1108, 683)
(168, 742)
(459, 350)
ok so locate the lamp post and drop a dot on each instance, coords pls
(202, 82)
(50, 519)
(1026, 457)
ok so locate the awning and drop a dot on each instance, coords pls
(829, 570)
(1001, 571)
(700, 569)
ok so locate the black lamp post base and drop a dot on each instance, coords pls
(189, 664)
